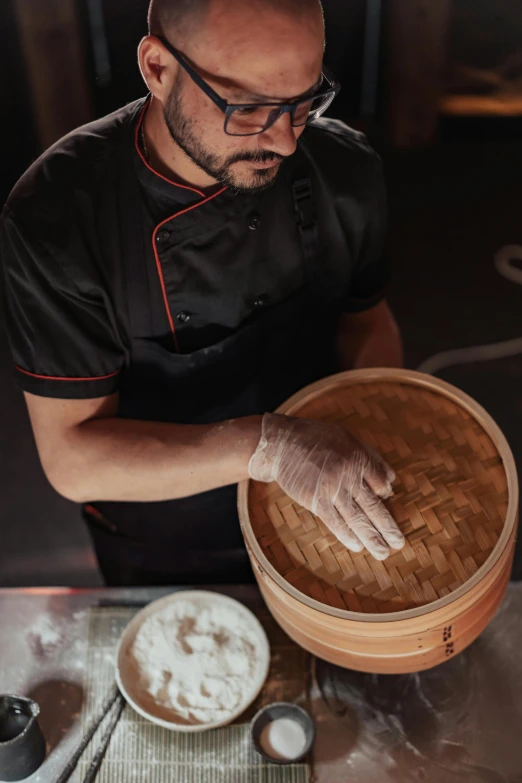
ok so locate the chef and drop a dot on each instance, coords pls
(177, 269)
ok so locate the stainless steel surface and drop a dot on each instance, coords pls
(458, 723)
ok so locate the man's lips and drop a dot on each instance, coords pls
(267, 165)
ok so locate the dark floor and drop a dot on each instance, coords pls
(452, 208)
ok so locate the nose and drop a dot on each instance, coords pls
(281, 137)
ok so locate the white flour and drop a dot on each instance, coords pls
(197, 658)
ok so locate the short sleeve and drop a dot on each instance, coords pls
(371, 272)
(60, 331)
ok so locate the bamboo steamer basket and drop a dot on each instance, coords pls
(455, 499)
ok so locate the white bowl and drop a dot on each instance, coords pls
(128, 675)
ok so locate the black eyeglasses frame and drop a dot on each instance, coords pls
(279, 109)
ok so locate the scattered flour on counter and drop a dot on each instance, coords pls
(44, 636)
(198, 659)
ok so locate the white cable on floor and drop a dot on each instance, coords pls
(483, 353)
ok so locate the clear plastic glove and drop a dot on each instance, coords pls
(333, 475)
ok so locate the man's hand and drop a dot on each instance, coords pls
(334, 476)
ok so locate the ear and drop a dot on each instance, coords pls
(157, 67)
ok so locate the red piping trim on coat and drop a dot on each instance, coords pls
(172, 217)
(158, 262)
(58, 378)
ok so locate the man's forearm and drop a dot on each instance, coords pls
(126, 460)
(379, 348)
(370, 340)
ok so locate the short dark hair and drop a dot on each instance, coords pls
(167, 16)
(175, 16)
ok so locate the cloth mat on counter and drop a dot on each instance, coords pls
(143, 752)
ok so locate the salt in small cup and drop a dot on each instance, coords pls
(282, 710)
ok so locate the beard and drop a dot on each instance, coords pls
(182, 132)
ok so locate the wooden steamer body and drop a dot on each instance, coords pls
(455, 498)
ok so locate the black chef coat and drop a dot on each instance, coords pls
(194, 308)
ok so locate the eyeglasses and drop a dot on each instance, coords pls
(249, 119)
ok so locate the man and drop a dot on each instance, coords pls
(176, 270)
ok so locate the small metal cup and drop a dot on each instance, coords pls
(22, 744)
(282, 709)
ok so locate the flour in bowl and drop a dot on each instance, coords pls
(197, 658)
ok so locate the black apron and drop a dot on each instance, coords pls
(287, 346)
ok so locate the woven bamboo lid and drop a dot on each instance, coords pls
(450, 498)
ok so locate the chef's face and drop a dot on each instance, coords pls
(246, 54)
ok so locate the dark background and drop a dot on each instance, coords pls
(437, 85)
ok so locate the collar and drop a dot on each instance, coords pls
(165, 190)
